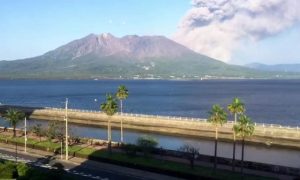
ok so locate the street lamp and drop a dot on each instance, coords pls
(61, 153)
(66, 119)
(16, 150)
(25, 131)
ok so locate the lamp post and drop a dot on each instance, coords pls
(16, 150)
(61, 153)
(66, 119)
(25, 131)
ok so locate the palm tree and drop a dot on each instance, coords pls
(243, 128)
(14, 116)
(122, 94)
(110, 107)
(236, 107)
(217, 118)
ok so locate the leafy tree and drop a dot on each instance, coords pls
(38, 130)
(243, 129)
(122, 94)
(191, 153)
(55, 130)
(110, 107)
(217, 118)
(236, 107)
(14, 116)
(60, 133)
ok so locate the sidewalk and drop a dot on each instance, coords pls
(229, 168)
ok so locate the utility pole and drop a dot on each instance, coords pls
(16, 151)
(66, 119)
(25, 130)
(61, 152)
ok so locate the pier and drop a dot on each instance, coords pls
(265, 134)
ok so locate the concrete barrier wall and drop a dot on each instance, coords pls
(270, 135)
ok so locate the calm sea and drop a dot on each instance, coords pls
(269, 101)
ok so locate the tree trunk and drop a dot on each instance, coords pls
(121, 130)
(121, 122)
(14, 130)
(121, 106)
(234, 145)
(216, 149)
(242, 165)
(192, 163)
(109, 135)
(233, 153)
(235, 118)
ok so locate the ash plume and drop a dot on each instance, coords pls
(216, 27)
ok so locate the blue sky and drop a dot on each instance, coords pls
(33, 27)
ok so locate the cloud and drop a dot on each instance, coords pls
(216, 27)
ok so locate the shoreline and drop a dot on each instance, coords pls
(260, 143)
(268, 136)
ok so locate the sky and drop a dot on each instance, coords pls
(234, 31)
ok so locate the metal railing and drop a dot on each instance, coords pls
(189, 119)
(228, 124)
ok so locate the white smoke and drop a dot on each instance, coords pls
(215, 27)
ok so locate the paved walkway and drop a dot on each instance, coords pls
(229, 168)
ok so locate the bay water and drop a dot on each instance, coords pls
(267, 101)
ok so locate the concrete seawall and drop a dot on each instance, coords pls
(265, 134)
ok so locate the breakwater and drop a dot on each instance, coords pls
(265, 134)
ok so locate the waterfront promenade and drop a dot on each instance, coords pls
(265, 134)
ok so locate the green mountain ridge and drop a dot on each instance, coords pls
(275, 67)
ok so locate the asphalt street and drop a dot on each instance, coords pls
(81, 171)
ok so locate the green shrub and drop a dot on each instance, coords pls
(8, 170)
(146, 144)
(23, 170)
(130, 149)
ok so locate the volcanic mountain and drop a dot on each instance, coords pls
(132, 56)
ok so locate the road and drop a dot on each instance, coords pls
(80, 170)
